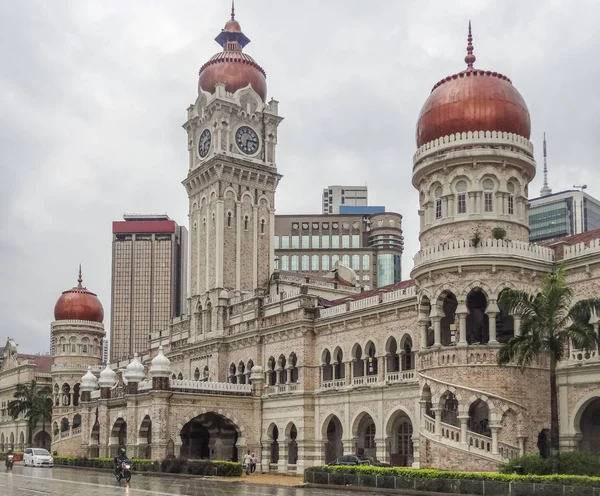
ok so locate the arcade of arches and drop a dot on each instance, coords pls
(395, 445)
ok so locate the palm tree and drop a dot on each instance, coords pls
(32, 403)
(549, 323)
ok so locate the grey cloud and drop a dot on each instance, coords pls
(93, 95)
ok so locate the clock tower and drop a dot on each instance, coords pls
(231, 181)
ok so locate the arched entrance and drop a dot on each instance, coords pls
(590, 427)
(448, 322)
(145, 439)
(365, 432)
(42, 440)
(95, 441)
(118, 436)
(209, 436)
(291, 435)
(333, 435)
(399, 434)
(479, 418)
(273, 434)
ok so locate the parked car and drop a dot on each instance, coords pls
(37, 457)
(358, 460)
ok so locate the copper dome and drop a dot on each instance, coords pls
(231, 66)
(473, 100)
(79, 304)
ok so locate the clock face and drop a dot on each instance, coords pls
(247, 140)
(204, 143)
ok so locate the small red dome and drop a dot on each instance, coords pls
(79, 304)
(473, 100)
(231, 66)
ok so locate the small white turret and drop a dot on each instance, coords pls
(89, 382)
(161, 365)
(135, 370)
(107, 377)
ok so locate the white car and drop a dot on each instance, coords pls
(37, 457)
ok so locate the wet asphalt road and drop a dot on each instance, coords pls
(59, 481)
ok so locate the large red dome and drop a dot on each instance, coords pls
(231, 66)
(79, 304)
(473, 100)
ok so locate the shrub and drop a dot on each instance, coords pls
(531, 464)
(569, 480)
(570, 463)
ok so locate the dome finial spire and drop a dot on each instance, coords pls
(470, 58)
(232, 10)
(79, 279)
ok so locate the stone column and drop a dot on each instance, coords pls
(464, 422)
(517, 324)
(492, 311)
(416, 450)
(438, 420)
(283, 456)
(348, 366)
(495, 430)
(381, 449)
(381, 368)
(521, 441)
(437, 331)
(462, 312)
(424, 324)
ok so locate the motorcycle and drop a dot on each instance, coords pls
(124, 471)
(10, 461)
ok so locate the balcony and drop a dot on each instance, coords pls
(336, 383)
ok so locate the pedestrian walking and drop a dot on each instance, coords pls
(248, 462)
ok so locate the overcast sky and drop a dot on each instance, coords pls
(93, 96)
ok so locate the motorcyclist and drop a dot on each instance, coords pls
(119, 459)
(8, 453)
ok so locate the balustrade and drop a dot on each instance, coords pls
(208, 386)
(402, 376)
(337, 383)
(479, 442)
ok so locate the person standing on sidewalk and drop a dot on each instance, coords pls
(248, 462)
(253, 463)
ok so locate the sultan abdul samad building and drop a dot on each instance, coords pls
(301, 369)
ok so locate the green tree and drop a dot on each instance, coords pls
(549, 322)
(34, 404)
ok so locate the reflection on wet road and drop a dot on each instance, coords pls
(60, 481)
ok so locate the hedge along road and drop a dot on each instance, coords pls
(28, 481)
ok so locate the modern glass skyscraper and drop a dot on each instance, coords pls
(149, 280)
(562, 214)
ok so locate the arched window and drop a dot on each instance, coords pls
(488, 195)
(180, 376)
(479, 414)
(293, 368)
(232, 372)
(197, 374)
(372, 360)
(281, 368)
(438, 202)
(228, 219)
(271, 374)
(359, 363)
(208, 316)
(510, 208)
(205, 374)
(393, 359)
(262, 226)
(408, 362)
(338, 365)
(241, 373)
(461, 197)
(245, 222)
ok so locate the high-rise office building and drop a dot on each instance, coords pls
(371, 245)
(149, 280)
(335, 197)
(105, 351)
(562, 214)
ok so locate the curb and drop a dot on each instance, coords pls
(376, 490)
